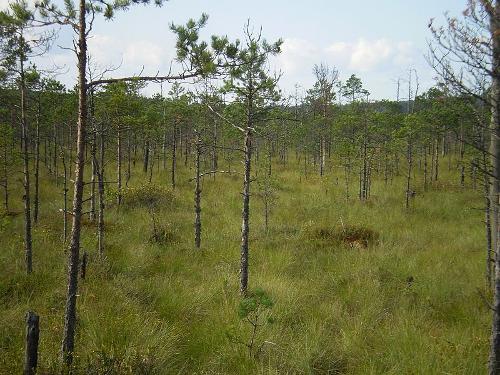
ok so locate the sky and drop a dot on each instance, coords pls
(379, 41)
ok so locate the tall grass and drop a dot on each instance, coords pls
(409, 303)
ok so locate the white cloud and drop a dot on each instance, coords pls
(366, 55)
(104, 50)
(296, 54)
(404, 54)
(109, 51)
(144, 53)
(382, 58)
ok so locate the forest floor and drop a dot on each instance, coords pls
(408, 301)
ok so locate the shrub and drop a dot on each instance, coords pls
(149, 196)
(355, 236)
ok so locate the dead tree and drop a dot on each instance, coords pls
(32, 338)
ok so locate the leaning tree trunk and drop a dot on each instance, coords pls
(245, 228)
(68, 342)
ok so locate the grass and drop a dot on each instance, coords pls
(166, 308)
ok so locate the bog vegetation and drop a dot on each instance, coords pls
(224, 227)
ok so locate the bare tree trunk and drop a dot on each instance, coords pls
(408, 175)
(54, 155)
(37, 164)
(174, 156)
(164, 150)
(135, 149)
(93, 176)
(364, 192)
(65, 194)
(152, 158)
(197, 196)
(269, 161)
(68, 342)
(27, 205)
(146, 157)
(100, 187)
(346, 170)
(70, 148)
(6, 179)
(129, 151)
(119, 167)
(487, 221)
(93, 151)
(245, 228)
(461, 162)
(321, 156)
(266, 211)
(186, 149)
(214, 149)
(436, 160)
(425, 168)
(494, 360)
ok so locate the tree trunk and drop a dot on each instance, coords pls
(6, 179)
(93, 151)
(436, 160)
(129, 151)
(119, 167)
(68, 342)
(146, 157)
(65, 194)
(100, 187)
(37, 164)
(174, 156)
(197, 196)
(425, 168)
(245, 228)
(214, 149)
(54, 155)
(494, 362)
(408, 175)
(27, 205)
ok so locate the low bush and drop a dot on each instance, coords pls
(149, 196)
(354, 236)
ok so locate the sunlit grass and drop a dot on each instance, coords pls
(160, 308)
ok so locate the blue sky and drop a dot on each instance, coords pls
(376, 40)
